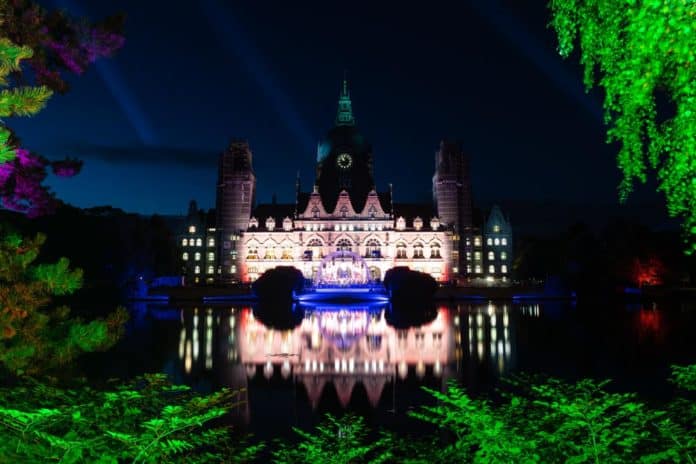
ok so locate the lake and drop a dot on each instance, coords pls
(351, 359)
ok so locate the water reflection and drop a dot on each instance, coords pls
(347, 346)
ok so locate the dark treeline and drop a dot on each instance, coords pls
(112, 247)
(623, 253)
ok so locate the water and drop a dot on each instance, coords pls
(350, 358)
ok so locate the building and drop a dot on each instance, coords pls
(198, 251)
(345, 229)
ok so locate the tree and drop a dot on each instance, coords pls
(643, 55)
(36, 337)
(49, 44)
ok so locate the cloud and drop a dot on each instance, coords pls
(141, 154)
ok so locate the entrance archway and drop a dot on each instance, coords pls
(343, 268)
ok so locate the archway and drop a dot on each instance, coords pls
(343, 268)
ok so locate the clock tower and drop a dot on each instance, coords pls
(344, 159)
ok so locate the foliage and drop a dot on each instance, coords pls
(47, 44)
(145, 420)
(34, 336)
(555, 421)
(643, 55)
(335, 441)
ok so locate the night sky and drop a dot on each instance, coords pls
(150, 122)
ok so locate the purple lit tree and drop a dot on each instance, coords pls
(37, 48)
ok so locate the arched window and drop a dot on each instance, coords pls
(372, 211)
(344, 245)
(253, 253)
(315, 242)
(418, 250)
(496, 241)
(373, 249)
(503, 241)
(287, 253)
(197, 256)
(491, 255)
(315, 212)
(199, 242)
(400, 223)
(270, 253)
(344, 211)
(184, 242)
(185, 256)
(435, 251)
(197, 270)
(211, 269)
(401, 251)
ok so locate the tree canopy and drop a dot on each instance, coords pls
(643, 55)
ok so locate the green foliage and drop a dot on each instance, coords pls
(642, 52)
(147, 420)
(336, 441)
(36, 337)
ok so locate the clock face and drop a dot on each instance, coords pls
(344, 161)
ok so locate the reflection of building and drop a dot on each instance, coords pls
(346, 348)
(345, 211)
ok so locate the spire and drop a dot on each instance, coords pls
(344, 115)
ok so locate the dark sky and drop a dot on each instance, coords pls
(150, 122)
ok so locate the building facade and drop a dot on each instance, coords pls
(345, 230)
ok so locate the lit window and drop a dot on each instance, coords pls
(344, 245)
(336, 227)
(185, 256)
(184, 242)
(491, 269)
(478, 269)
(468, 269)
(401, 251)
(379, 227)
(211, 269)
(455, 269)
(497, 241)
(350, 227)
(468, 256)
(315, 227)
(477, 255)
(503, 269)
(503, 255)
(489, 241)
(233, 269)
(197, 256)
(211, 242)
(270, 253)
(287, 253)
(468, 241)
(253, 253)
(192, 229)
(504, 241)
(477, 241)
(435, 251)
(491, 255)
(199, 242)
(496, 228)
(197, 270)
(418, 250)
(211, 256)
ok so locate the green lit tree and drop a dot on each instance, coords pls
(35, 335)
(643, 55)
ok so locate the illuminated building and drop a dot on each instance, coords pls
(345, 230)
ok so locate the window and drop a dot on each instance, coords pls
(184, 256)
(344, 245)
(253, 253)
(435, 251)
(503, 269)
(199, 242)
(477, 241)
(491, 255)
(503, 255)
(468, 256)
(211, 242)
(197, 270)
(336, 227)
(478, 269)
(418, 250)
(315, 212)
(197, 256)
(489, 241)
(477, 256)
(287, 253)
(211, 256)
(504, 241)
(344, 211)
(373, 249)
(400, 223)
(211, 269)
(491, 269)
(496, 228)
(400, 251)
(184, 242)
(468, 269)
(192, 229)
(496, 241)
(233, 269)
(314, 243)
(270, 253)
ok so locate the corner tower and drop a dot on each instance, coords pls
(344, 158)
(236, 189)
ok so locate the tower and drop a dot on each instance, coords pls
(452, 191)
(344, 158)
(236, 189)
